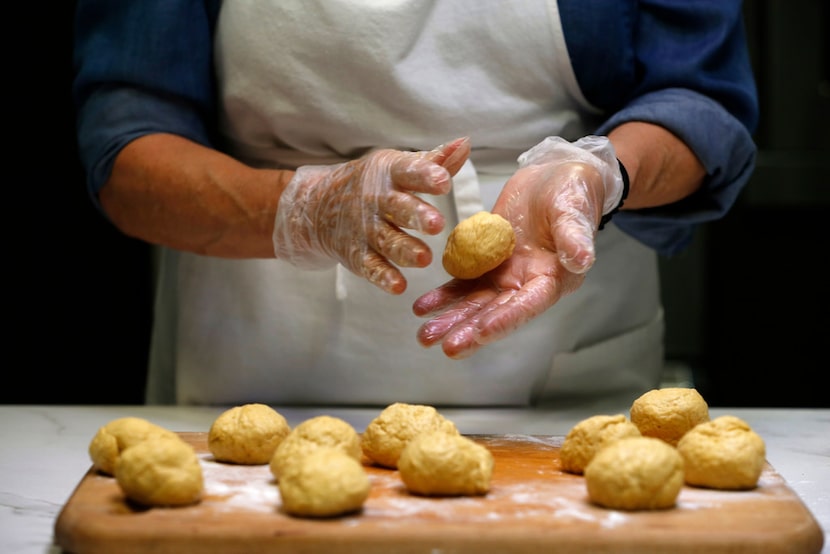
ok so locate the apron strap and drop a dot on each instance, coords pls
(466, 192)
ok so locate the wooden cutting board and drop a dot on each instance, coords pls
(533, 506)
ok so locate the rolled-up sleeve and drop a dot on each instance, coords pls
(682, 65)
(140, 67)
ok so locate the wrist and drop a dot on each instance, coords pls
(626, 185)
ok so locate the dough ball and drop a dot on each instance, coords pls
(386, 436)
(724, 453)
(635, 473)
(327, 483)
(160, 471)
(477, 245)
(311, 434)
(438, 463)
(247, 434)
(669, 413)
(116, 436)
(588, 436)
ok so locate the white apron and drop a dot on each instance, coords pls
(322, 81)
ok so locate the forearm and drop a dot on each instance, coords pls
(170, 191)
(661, 167)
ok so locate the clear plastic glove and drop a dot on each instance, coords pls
(354, 213)
(555, 202)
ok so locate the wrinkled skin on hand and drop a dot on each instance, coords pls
(355, 213)
(555, 210)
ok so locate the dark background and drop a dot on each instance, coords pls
(80, 292)
(746, 304)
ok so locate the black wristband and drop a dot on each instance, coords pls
(626, 184)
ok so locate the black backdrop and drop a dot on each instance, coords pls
(78, 291)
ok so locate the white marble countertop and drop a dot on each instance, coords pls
(43, 452)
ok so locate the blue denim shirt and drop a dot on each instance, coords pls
(146, 67)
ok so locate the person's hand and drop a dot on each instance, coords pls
(354, 213)
(554, 202)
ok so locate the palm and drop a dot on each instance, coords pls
(543, 209)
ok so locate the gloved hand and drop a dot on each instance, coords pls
(353, 213)
(555, 202)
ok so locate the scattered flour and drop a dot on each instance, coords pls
(549, 498)
(239, 487)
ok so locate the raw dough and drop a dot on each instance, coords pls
(247, 434)
(588, 436)
(160, 471)
(447, 464)
(117, 435)
(668, 413)
(386, 436)
(311, 434)
(724, 453)
(477, 245)
(635, 473)
(327, 483)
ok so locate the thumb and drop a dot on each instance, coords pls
(574, 240)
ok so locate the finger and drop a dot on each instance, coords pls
(376, 269)
(501, 317)
(456, 317)
(574, 239)
(442, 297)
(433, 331)
(415, 173)
(575, 227)
(466, 338)
(462, 343)
(451, 155)
(515, 308)
(410, 212)
(398, 247)
(430, 172)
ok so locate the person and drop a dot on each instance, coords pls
(299, 165)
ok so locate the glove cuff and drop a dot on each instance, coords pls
(294, 237)
(594, 150)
